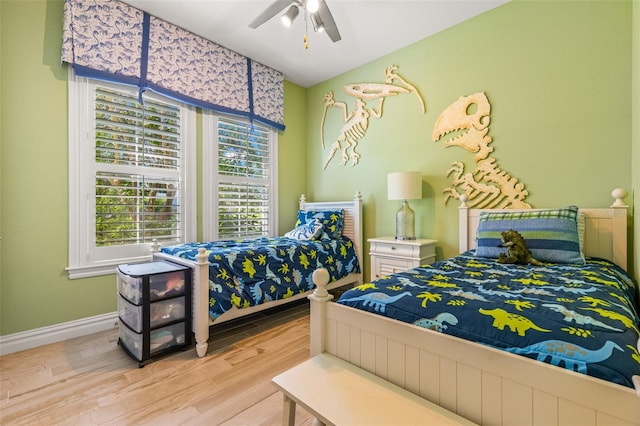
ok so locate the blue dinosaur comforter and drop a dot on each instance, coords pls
(580, 317)
(250, 272)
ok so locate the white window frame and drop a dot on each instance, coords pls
(210, 177)
(85, 259)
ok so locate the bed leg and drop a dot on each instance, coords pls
(318, 304)
(201, 348)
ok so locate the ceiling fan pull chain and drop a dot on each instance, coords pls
(306, 43)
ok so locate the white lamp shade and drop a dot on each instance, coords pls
(404, 186)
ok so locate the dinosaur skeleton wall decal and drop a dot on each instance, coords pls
(486, 186)
(357, 122)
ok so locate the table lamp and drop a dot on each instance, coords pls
(405, 186)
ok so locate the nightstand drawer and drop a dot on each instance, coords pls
(414, 249)
(392, 249)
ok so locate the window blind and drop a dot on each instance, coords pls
(138, 163)
(243, 179)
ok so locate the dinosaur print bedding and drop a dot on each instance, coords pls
(245, 273)
(579, 317)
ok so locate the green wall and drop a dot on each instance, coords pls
(557, 74)
(292, 150)
(558, 77)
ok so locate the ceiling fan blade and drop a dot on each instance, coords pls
(330, 26)
(271, 11)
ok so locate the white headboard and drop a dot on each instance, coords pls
(605, 230)
(352, 217)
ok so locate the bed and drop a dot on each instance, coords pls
(483, 382)
(232, 279)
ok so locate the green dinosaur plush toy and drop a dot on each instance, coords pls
(517, 250)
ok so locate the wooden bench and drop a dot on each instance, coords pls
(339, 393)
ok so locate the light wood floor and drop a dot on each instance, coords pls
(90, 381)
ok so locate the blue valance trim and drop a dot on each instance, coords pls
(144, 58)
(250, 80)
(88, 72)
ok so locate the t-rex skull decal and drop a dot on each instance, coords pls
(487, 185)
(472, 126)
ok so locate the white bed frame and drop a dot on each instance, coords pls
(482, 384)
(201, 319)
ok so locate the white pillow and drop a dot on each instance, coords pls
(307, 231)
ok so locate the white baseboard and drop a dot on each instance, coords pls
(56, 333)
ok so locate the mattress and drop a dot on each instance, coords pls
(249, 272)
(582, 318)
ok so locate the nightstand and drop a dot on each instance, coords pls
(389, 255)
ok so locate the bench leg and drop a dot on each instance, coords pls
(288, 412)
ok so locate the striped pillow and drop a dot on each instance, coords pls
(551, 235)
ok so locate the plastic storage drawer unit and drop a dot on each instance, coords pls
(160, 312)
(154, 307)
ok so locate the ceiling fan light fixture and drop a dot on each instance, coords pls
(312, 5)
(322, 20)
(318, 26)
(290, 16)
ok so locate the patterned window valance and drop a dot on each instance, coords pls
(110, 40)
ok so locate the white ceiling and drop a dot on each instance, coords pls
(369, 29)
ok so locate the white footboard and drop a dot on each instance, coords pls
(482, 384)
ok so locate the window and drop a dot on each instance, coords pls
(131, 175)
(240, 175)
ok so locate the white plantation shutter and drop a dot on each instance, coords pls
(131, 175)
(243, 210)
(133, 209)
(240, 178)
(137, 170)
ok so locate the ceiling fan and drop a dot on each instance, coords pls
(318, 11)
